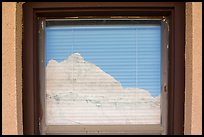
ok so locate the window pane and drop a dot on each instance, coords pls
(102, 72)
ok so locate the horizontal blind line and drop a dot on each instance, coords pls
(116, 36)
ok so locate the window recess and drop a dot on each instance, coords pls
(162, 73)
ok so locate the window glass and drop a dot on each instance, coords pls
(103, 72)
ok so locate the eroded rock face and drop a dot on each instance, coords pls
(77, 74)
(79, 92)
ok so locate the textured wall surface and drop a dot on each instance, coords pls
(193, 66)
(9, 105)
(19, 21)
(12, 68)
(197, 69)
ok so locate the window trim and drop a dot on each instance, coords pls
(175, 11)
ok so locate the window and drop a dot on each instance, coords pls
(97, 72)
(103, 68)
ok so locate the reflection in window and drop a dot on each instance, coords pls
(103, 74)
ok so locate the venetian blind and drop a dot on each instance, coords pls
(102, 73)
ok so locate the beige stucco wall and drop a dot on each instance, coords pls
(12, 68)
(193, 66)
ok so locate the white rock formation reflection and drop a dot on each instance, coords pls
(79, 92)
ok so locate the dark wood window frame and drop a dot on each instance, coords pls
(32, 11)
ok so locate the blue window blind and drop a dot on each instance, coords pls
(103, 74)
